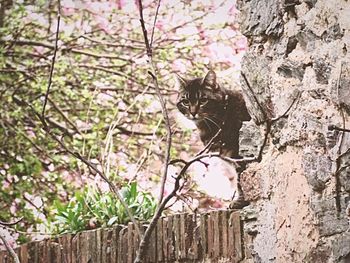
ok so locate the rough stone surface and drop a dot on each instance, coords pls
(298, 67)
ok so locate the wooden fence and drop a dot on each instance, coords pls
(210, 237)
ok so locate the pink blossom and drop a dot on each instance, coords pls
(10, 238)
(179, 65)
(67, 11)
(121, 4)
(5, 184)
(104, 24)
(39, 50)
(13, 208)
(201, 33)
(241, 44)
(160, 25)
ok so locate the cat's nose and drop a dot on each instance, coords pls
(194, 115)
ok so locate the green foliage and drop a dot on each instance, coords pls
(91, 208)
(102, 104)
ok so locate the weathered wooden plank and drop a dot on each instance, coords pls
(152, 247)
(165, 238)
(210, 236)
(136, 239)
(75, 249)
(130, 242)
(190, 238)
(66, 248)
(203, 229)
(224, 233)
(54, 249)
(237, 235)
(216, 234)
(171, 239)
(82, 248)
(183, 236)
(160, 240)
(33, 255)
(122, 247)
(43, 251)
(234, 234)
(92, 246)
(106, 237)
(99, 245)
(115, 243)
(23, 254)
(2, 256)
(215, 237)
(177, 235)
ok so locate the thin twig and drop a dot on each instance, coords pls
(53, 58)
(210, 142)
(333, 127)
(162, 201)
(296, 98)
(65, 117)
(154, 23)
(153, 223)
(161, 100)
(255, 98)
(8, 247)
(77, 155)
(87, 163)
(338, 166)
(11, 223)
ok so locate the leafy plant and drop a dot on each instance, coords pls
(91, 209)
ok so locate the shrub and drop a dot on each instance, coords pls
(91, 209)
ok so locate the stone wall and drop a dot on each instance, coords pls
(298, 68)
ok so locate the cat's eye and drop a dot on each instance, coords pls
(203, 101)
(185, 102)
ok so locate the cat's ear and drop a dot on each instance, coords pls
(180, 82)
(210, 80)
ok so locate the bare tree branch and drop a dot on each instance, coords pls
(154, 23)
(8, 247)
(53, 58)
(161, 100)
(11, 223)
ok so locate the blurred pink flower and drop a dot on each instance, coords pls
(10, 238)
(160, 25)
(5, 184)
(68, 7)
(241, 44)
(39, 50)
(219, 52)
(179, 65)
(120, 4)
(104, 24)
(217, 204)
(67, 11)
(201, 32)
(13, 208)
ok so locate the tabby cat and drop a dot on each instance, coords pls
(212, 107)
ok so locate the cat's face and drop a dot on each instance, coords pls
(199, 98)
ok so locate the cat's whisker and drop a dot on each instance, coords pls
(206, 123)
(212, 121)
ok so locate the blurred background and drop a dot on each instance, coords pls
(102, 105)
